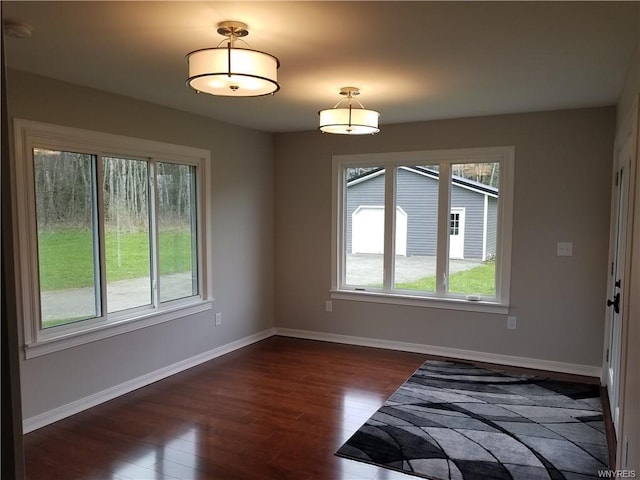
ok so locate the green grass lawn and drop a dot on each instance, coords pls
(478, 280)
(66, 257)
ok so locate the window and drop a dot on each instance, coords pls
(454, 225)
(111, 234)
(429, 228)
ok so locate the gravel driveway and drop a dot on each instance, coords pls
(365, 269)
(80, 302)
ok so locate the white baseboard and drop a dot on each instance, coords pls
(77, 406)
(454, 353)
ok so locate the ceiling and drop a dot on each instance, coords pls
(412, 61)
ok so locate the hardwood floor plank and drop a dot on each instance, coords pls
(278, 409)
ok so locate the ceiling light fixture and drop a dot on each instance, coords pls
(230, 70)
(348, 120)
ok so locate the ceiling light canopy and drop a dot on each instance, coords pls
(230, 70)
(348, 120)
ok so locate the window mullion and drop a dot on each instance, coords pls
(389, 226)
(442, 250)
(153, 232)
(196, 240)
(28, 236)
(504, 225)
(340, 242)
(99, 246)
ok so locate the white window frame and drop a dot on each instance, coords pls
(29, 134)
(505, 155)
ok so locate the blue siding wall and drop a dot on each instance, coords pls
(492, 223)
(418, 197)
(473, 203)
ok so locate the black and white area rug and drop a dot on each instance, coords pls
(452, 421)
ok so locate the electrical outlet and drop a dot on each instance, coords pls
(218, 319)
(511, 323)
(328, 306)
(565, 249)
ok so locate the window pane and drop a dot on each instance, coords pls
(473, 223)
(126, 225)
(177, 231)
(416, 227)
(364, 226)
(67, 236)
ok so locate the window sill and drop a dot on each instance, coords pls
(481, 306)
(117, 327)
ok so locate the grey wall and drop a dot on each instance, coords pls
(242, 262)
(558, 301)
(632, 79)
(562, 190)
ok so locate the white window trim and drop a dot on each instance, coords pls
(503, 154)
(40, 342)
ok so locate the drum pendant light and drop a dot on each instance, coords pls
(348, 120)
(230, 70)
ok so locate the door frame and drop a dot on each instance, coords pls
(627, 136)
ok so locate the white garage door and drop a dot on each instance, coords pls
(368, 230)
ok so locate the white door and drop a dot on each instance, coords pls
(367, 224)
(616, 287)
(456, 233)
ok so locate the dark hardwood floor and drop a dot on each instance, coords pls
(278, 409)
